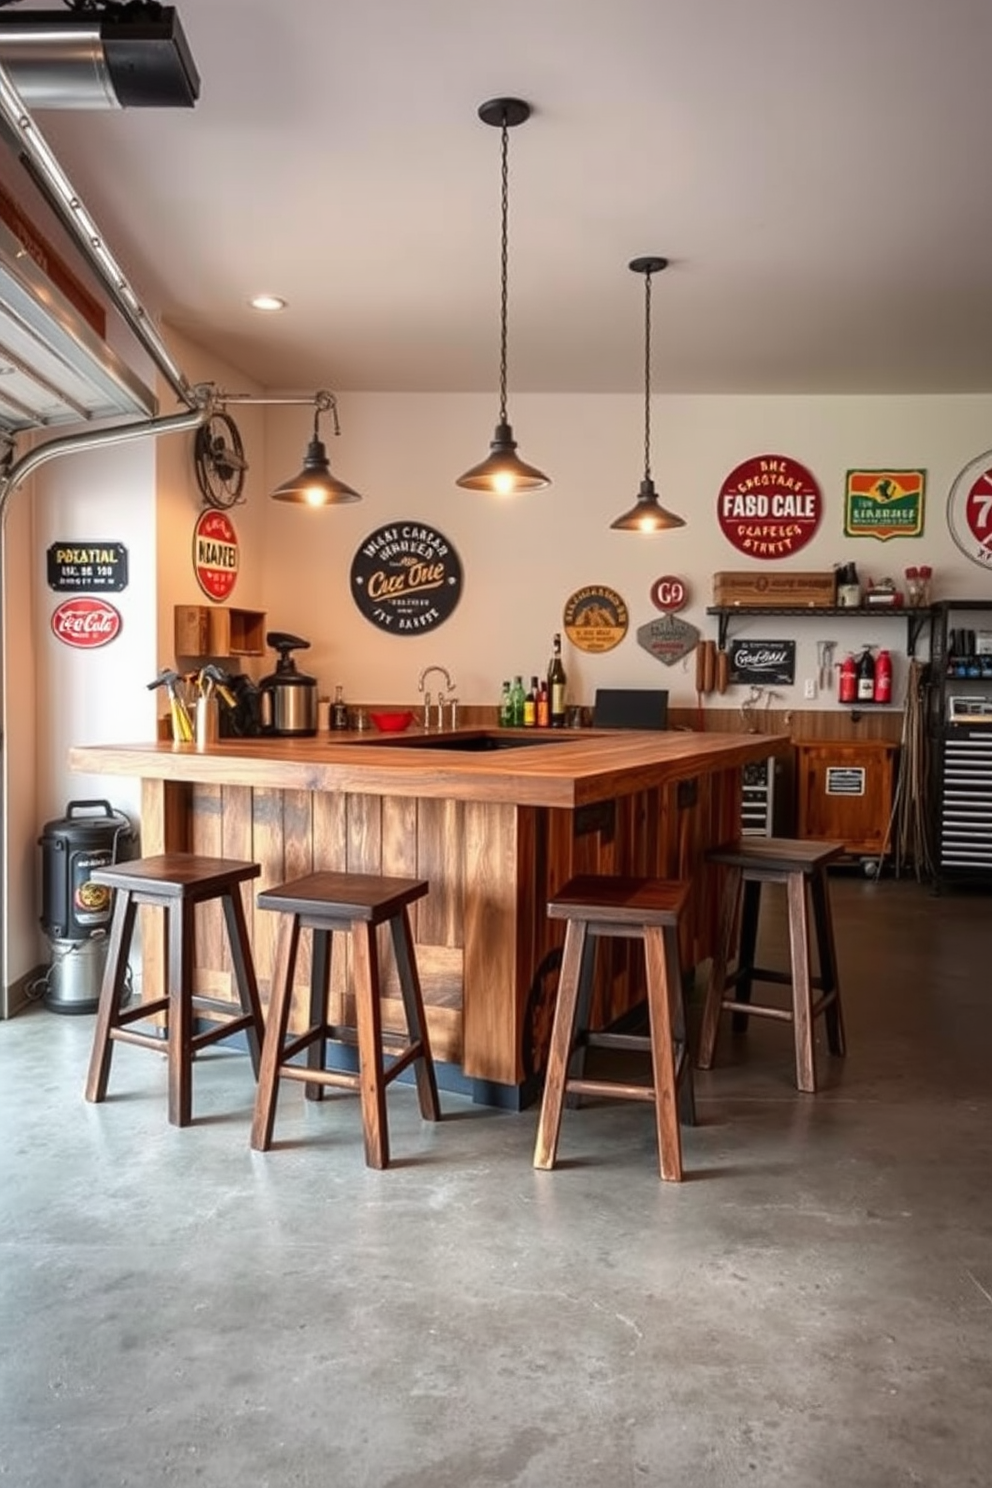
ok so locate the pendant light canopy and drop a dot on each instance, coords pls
(503, 472)
(647, 514)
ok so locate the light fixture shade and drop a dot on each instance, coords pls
(647, 514)
(315, 485)
(503, 472)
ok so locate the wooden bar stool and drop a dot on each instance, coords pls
(351, 904)
(176, 882)
(801, 866)
(646, 909)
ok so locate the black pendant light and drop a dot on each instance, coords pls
(647, 514)
(503, 472)
(315, 485)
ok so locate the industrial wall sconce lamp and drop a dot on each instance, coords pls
(503, 472)
(647, 514)
(315, 485)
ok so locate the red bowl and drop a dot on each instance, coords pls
(392, 723)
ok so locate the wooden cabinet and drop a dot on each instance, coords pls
(218, 630)
(845, 791)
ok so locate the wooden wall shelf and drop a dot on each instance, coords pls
(218, 630)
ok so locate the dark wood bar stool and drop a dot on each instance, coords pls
(646, 909)
(176, 882)
(802, 867)
(352, 904)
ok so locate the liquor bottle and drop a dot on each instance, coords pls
(339, 710)
(543, 706)
(866, 676)
(517, 699)
(556, 685)
(530, 704)
(505, 707)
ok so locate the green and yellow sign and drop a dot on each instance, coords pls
(884, 503)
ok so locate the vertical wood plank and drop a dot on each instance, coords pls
(490, 1037)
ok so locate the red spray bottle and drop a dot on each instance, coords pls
(883, 677)
(847, 680)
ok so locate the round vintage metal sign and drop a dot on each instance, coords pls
(216, 554)
(969, 510)
(406, 578)
(669, 594)
(769, 507)
(595, 618)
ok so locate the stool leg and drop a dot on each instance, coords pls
(750, 913)
(416, 1018)
(320, 987)
(827, 951)
(180, 991)
(368, 1017)
(111, 991)
(280, 999)
(244, 971)
(560, 1047)
(802, 991)
(718, 969)
(660, 993)
(581, 1022)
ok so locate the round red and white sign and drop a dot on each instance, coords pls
(669, 594)
(769, 507)
(216, 554)
(969, 510)
(86, 623)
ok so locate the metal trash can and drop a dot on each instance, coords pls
(76, 912)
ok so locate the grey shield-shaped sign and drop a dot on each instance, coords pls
(668, 639)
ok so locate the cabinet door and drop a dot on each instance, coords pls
(845, 793)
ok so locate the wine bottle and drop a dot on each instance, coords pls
(543, 706)
(530, 704)
(556, 685)
(517, 699)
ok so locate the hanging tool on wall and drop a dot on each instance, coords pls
(825, 664)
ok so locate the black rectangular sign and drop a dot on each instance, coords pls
(762, 661)
(82, 566)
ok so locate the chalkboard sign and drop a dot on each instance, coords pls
(762, 661)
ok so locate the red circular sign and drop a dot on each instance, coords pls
(969, 510)
(669, 594)
(216, 555)
(769, 507)
(86, 623)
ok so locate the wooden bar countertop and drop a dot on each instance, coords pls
(560, 768)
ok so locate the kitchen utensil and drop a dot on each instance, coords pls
(289, 697)
(392, 723)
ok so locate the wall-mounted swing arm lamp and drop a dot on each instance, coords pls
(503, 472)
(315, 485)
(647, 514)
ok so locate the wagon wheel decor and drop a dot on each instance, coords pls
(219, 458)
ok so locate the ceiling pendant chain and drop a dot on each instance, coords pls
(504, 209)
(647, 376)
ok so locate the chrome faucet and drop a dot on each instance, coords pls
(441, 697)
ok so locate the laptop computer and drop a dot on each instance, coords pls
(630, 707)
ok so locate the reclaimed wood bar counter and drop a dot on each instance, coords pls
(495, 819)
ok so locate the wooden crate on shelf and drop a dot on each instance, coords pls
(761, 590)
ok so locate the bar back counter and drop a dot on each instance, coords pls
(496, 820)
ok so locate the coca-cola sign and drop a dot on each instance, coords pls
(86, 623)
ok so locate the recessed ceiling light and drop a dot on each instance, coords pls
(267, 302)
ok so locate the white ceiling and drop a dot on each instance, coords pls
(818, 171)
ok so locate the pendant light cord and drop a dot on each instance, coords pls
(647, 377)
(504, 209)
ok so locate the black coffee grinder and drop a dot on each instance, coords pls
(289, 697)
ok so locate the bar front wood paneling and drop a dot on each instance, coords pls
(495, 835)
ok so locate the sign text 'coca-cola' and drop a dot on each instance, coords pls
(86, 623)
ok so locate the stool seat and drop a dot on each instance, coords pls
(648, 909)
(177, 883)
(353, 904)
(801, 866)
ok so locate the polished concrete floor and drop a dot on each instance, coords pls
(813, 1306)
